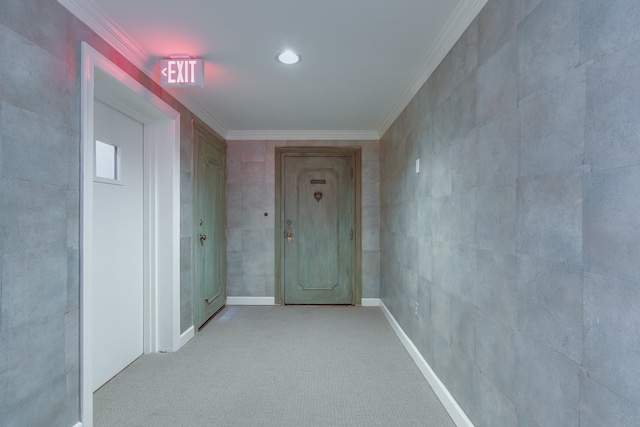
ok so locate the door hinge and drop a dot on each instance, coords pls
(351, 173)
(352, 234)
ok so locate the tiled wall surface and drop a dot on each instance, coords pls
(40, 209)
(251, 194)
(519, 239)
(512, 258)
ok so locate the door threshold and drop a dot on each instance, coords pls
(211, 318)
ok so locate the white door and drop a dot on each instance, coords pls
(117, 284)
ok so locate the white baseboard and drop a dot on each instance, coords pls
(452, 407)
(366, 302)
(370, 302)
(251, 301)
(186, 336)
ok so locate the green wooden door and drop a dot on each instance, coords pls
(318, 215)
(209, 226)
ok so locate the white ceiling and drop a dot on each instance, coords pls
(362, 60)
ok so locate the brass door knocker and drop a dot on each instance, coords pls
(317, 195)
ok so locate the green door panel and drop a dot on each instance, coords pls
(319, 203)
(209, 225)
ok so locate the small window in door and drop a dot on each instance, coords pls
(106, 161)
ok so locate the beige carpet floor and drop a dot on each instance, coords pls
(277, 366)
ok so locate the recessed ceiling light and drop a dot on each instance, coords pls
(288, 57)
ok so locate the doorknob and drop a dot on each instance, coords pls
(203, 237)
(289, 233)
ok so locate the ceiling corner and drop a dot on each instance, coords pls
(458, 22)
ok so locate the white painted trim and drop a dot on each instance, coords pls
(452, 407)
(78, 424)
(251, 301)
(96, 19)
(101, 79)
(458, 22)
(303, 135)
(186, 336)
(370, 302)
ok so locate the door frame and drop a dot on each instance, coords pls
(281, 153)
(101, 79)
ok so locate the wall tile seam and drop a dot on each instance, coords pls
(583, 168)
(25, 253)
(577, 364)
(545, 89)
(588, 376)
(65, 186)
(37, 322)
(479, 126)
(574, 170)
(597, 58)
(26, 40)
(593, 171)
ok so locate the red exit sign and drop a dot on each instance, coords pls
(182, 72)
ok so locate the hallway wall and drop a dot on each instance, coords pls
(40, 209)
(512, 258)
(251, 193)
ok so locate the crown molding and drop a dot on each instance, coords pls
(98, 21)
(456, 25)
(303, 135)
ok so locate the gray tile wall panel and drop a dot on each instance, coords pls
(50, 33)
(463, 329)
(498, 152)
(549, 304)
(612, 116)
(29, 140)
(34, 356)
(600, 407)
(464, 161)
(464, 55)
(497, 84)
(552, 126)
(611, 346)
(548, 44)
(550, 216)
(612, 223)
(34, 216)
(46, 407)
(496, 287)
(496, 358)
(34, 286)
(547, 384)
(607, 27)
(34, 80)
(496, 25)
(533, 226)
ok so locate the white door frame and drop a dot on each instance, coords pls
(103, 80)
